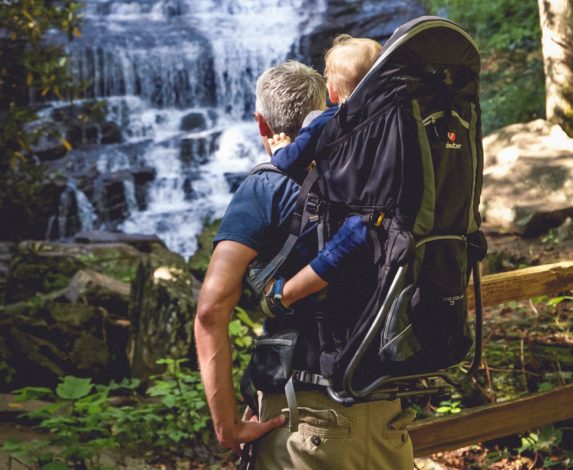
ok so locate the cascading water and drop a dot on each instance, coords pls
(179, 77)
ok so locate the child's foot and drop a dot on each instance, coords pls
(279, 141)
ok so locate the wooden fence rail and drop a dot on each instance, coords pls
(524, 283)
(502, 419)
(491, 421)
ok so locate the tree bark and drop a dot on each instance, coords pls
(556, 18)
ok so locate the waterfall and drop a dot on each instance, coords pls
(179, 79)
(75, 213)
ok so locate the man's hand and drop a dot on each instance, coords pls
(249, 429)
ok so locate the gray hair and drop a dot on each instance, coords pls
(286, 93)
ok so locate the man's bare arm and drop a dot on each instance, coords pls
(219, 295)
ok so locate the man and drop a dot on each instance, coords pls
(365, 436)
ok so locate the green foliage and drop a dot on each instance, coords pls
(31, 70)
(199, 262)
(242, 330)
(30, 66)
(553, 302)
(76, 434)
(172, 420)
(509, 36)
(450, 406)
(542, 447)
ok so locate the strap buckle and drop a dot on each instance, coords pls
(314, 204)
(376, 218)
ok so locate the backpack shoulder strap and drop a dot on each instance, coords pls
(266, 166)
(258, 277)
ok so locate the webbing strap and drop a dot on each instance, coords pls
(292, 405)
(298, 212)
(320, 235)
(307, 377)
(259, 280)
(304, 377)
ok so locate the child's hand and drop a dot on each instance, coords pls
(279, 141)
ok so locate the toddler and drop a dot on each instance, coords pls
(346, 63)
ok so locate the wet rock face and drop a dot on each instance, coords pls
(196, 150)
(359, 18)
(95, 134)
(528, 178)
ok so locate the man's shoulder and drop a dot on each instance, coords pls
(267, 180)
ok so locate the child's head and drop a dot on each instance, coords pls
(346, 63)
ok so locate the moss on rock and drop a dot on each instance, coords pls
(199, 262)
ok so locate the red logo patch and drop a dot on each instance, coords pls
(452, 136)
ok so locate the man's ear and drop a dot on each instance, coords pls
(332, 93)
(264, 128)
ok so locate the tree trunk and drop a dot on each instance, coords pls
(557, 42)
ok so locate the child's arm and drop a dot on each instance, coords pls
(320, 272)
(300, 152)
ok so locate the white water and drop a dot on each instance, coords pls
(156, 61)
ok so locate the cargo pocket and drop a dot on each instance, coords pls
(397, 426)
(322, 424)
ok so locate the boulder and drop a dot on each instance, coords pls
(67, 311)
(44, 267)
(528, 178)
(161, 314)
(99, 290)
(110, 133)
(46, 337)
(193, 122)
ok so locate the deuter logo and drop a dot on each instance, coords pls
(452, 143)
(452, 300)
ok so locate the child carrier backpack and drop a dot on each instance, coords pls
(404, 151)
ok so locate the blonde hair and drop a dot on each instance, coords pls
(348, 61)
(286, 93)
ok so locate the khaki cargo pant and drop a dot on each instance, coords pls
(367, 436)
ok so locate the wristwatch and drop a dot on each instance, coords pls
(271, 302)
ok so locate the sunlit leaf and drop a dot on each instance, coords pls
(73, 388)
